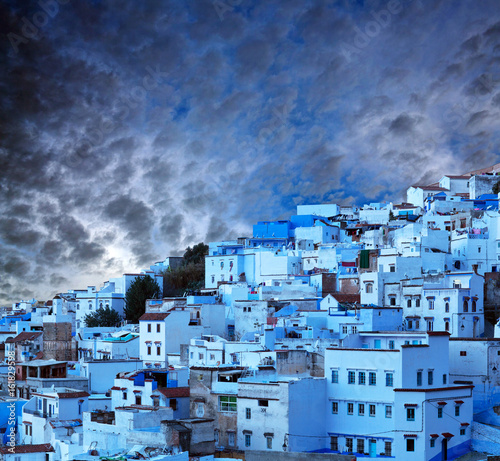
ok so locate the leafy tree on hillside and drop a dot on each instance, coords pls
(196, 254)
(141, 289)
(190, 276)
(102, 317)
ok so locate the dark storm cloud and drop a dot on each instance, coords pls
(128, 129)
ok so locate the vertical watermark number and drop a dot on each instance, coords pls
(11, 377)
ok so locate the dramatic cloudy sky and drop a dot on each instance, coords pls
(130, 130)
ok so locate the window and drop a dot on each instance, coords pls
(473, 305)
(462, 431)
(248, 413)
(124, 396)
(410, 444)
(349, 444)
(392, 268)
(447, 306)
(149, 350)
(431, 304)
(457, 410)
(388, 448)
(444, 378)
(466, 305)
(440, 412)
(389, 379)
(410, 324)
(391, 344)
(335, 408)
(138, 400)
(360, 447)
(361, 377)
(269, 443)
(430, 377)
(392, 301)
(334, 443)
(158, 328)
(172, 403)
(433, 442)
(158, 350)
(446, 326)
(213, 277)
(248, 440)
(463, 353)
(263, 403)
(369, 287)
(230, 439)
(227, 403)
(350, 408)
(351, 377)
(361, 409)
(388, 411)
(377, 344)
(372, 410)
(372, 378)
(354, 329)
(149, 328)
(410, 414)
(430, 325)
(345, 329)
(335, 376)
(417, 302)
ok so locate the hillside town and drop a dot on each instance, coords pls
(343, 332)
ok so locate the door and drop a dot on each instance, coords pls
(444, 450)
(373, 448)
(44, 407)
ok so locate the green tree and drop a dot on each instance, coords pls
(102, 317)
(141, 289)
(496, 188)
(196, 254)
(190, 276)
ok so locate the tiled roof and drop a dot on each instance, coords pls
(174, 392)
(154, 316)
(72, 395)
(347, 297)
(19, 449)
(25, 336)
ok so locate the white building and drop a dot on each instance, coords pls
(298, 405)
(395, 398)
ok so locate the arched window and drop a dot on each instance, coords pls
(473, 305)
(369, 287)
(408, 302)
(466, 305)
(447, 326)
(447, 307)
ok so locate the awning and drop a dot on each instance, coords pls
(447, 435)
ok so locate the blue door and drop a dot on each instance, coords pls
(373, 448)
